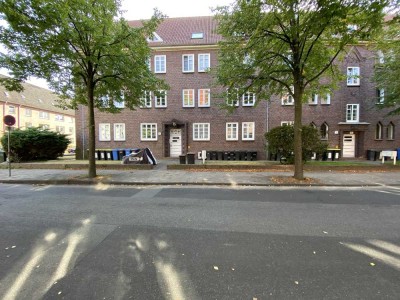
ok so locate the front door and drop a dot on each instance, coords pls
(175, 142)
(349, 145)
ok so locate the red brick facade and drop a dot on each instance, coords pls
(265, 115)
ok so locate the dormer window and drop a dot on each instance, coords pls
(154, 38)
(197, 35)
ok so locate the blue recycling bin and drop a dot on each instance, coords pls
(115, 154)
(128, 151)
(398, 153)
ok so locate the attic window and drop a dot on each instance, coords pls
(154, 38)
(197, 35)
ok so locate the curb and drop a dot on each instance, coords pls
(121, 183)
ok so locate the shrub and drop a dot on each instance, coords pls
(35, 144)
(281, 141)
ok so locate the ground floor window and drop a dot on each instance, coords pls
(148, 131)
(119, 132)
(201, 131)
(248, 131)
(104, 132)
(390, 131)
(378, 131)
(324, 131)
(232, 131)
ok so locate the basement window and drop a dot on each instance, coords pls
(197, 35)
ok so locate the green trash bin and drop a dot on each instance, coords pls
(190, 158)
(2, 156)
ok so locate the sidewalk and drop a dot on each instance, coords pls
(161, 175)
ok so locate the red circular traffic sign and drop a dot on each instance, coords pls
(9, 120)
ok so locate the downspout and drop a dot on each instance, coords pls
(83, 132)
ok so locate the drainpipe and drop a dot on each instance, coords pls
(83, 132)
(267, 128)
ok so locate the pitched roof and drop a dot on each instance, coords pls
(34, 97)
(178, 31)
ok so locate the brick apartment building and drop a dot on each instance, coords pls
(189, 117)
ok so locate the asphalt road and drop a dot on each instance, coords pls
(105, 242)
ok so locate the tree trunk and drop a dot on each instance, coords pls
(298, 153)
(92, 131)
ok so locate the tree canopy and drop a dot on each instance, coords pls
(288, 48)
(387, 73)
(84, 49)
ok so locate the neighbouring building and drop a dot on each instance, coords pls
(36, 107)
(189, 117)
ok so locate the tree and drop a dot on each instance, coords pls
(289, 48)
(387, 73)
(85, 51)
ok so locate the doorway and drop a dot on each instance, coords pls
(175, 142)
(349, 145)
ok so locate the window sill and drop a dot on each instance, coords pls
(378, 140)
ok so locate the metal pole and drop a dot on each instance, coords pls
(8, 154)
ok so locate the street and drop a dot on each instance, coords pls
(175, 242)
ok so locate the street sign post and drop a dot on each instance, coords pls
(9, 121)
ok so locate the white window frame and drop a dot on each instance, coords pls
(119, 134)
(379, 131)
(390, 131)
(153, 131)
(161, 100)
(326, 136)
(104, 132)
(59, 118)
(248, 99)
(287, 123)
(288, 99)
(188, 98)
(326, 100)
(60, 129)
(160, 64)
(353, 76)
(203, 62)
(380, 93)
(350, 108)
(234, 102)
(11, 109)
(119, 104)
(205, 130)
(146, 99)
(28, 112)
(203, 94)
(313, 100)
(245, 131)
(44, 115)
(190, 61)
(232, 131)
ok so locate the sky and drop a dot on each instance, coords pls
(136, 10)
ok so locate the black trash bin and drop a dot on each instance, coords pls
(182, 159)
(190, 158)
(208, 155)
(248, 155)
(377, 154)
(2, 156)
(220, 155)
(226, 155)
(214, 155)
(253, 155)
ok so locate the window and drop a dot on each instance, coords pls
(154, 38)
(28, 125)
(59, 118)
(148, 63)
(145, 100)
(44, 115)
(324, 131)
(313, 100)
(11, 109)
(160, 98)
(104, 132)
(378, 131)
(248, 99)
(28, 112)
(148, 131)
(288, 98)
(312, 124)
(380, 96)
(201, 131)
(71, 120)
(104, 101)
(188, 63)
(160, 64)
(232, 131)
(352, 112)
(60, 129)
(120, 103)
(188, 98)
(390, 131)
(197, 35)
(353, 76)
(119, 132)
(232, 102)
(287, 123)
(204, 98)
(326, 100)
(248, 131)
(71, 130)
(204, 62)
